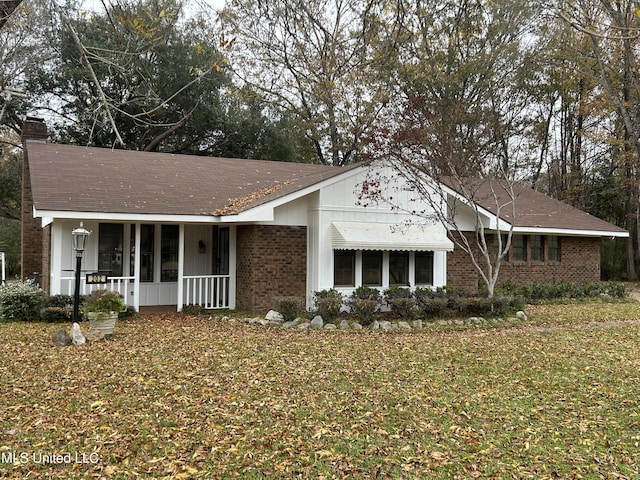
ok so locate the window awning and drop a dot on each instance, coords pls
(387, 236)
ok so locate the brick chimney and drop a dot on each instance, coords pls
(34, 128)
(36, 240)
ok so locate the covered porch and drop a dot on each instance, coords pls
(150, 264)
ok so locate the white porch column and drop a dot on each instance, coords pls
(56, 259)
(136, 270)
(180, 266)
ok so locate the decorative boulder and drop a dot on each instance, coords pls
(61, 338)
(344, 325)
(273, 315)
(76, 335)
(520, 315)
(317, 322)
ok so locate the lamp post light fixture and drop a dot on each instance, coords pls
(80, 238)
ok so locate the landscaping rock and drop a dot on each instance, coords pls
(520, 315)
(61, 338)
(304, 326)
(404, 325)
(77, 338)
(344, 325)
(356, 326)
(273, 315)
(317, 322)
(417, 323)
(94, 336)
(375, 325)
(385, 325)
(291, 324)
(330, 326)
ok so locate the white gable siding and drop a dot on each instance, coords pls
(338, 202)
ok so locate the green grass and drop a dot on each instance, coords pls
(187, 397)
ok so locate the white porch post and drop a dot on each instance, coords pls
(56, 259)
(136, 270)
(180, 266)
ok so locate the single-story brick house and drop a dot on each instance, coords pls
(231, 233)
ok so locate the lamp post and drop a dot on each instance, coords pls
(80, 238)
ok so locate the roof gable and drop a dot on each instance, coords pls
(85, 179)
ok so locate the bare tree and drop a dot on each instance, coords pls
(314, 59)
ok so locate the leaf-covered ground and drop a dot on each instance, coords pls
(172, 396)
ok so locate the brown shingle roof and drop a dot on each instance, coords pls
(533, 209)
(73, 178)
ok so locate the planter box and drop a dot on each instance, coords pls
(102, 321)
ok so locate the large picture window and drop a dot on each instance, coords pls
(518, 248)
(424, 268)
(372, 268)
(536, 248)
(553, 249)
(398, 268)
(110, 240)
(344, 268)
(147, 243)
(169, 253)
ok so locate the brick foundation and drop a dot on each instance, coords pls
(271, 261)
(579, 262)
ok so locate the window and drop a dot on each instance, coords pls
(344, 268)
(424, 268)
(110, 240)
(398, 268)
(553, 249)
(169, 253)
(372, 268)
(536, 248)
(147, 242)
(518, 248)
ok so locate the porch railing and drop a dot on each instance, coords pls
(208, 291)
(114, 284)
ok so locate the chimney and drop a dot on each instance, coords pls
(35, 129)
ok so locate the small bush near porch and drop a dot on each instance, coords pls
(186, 397)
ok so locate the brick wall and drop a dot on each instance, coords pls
(579, 262)
(271, 261)
(35, 239)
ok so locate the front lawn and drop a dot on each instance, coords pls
(188, 397)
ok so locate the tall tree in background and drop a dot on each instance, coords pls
(23, 50)
(314, 59)
(134, 77)
(613, 29)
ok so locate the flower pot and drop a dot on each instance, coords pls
(103, 322)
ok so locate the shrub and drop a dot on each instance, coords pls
(364, 302)
(56, 314)
(128, 312)
(328, 303)
(431, 303)
(60, 301)
(560, 289)
(103, 300)
(289, 307)
(401, 301)
(20, 301)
